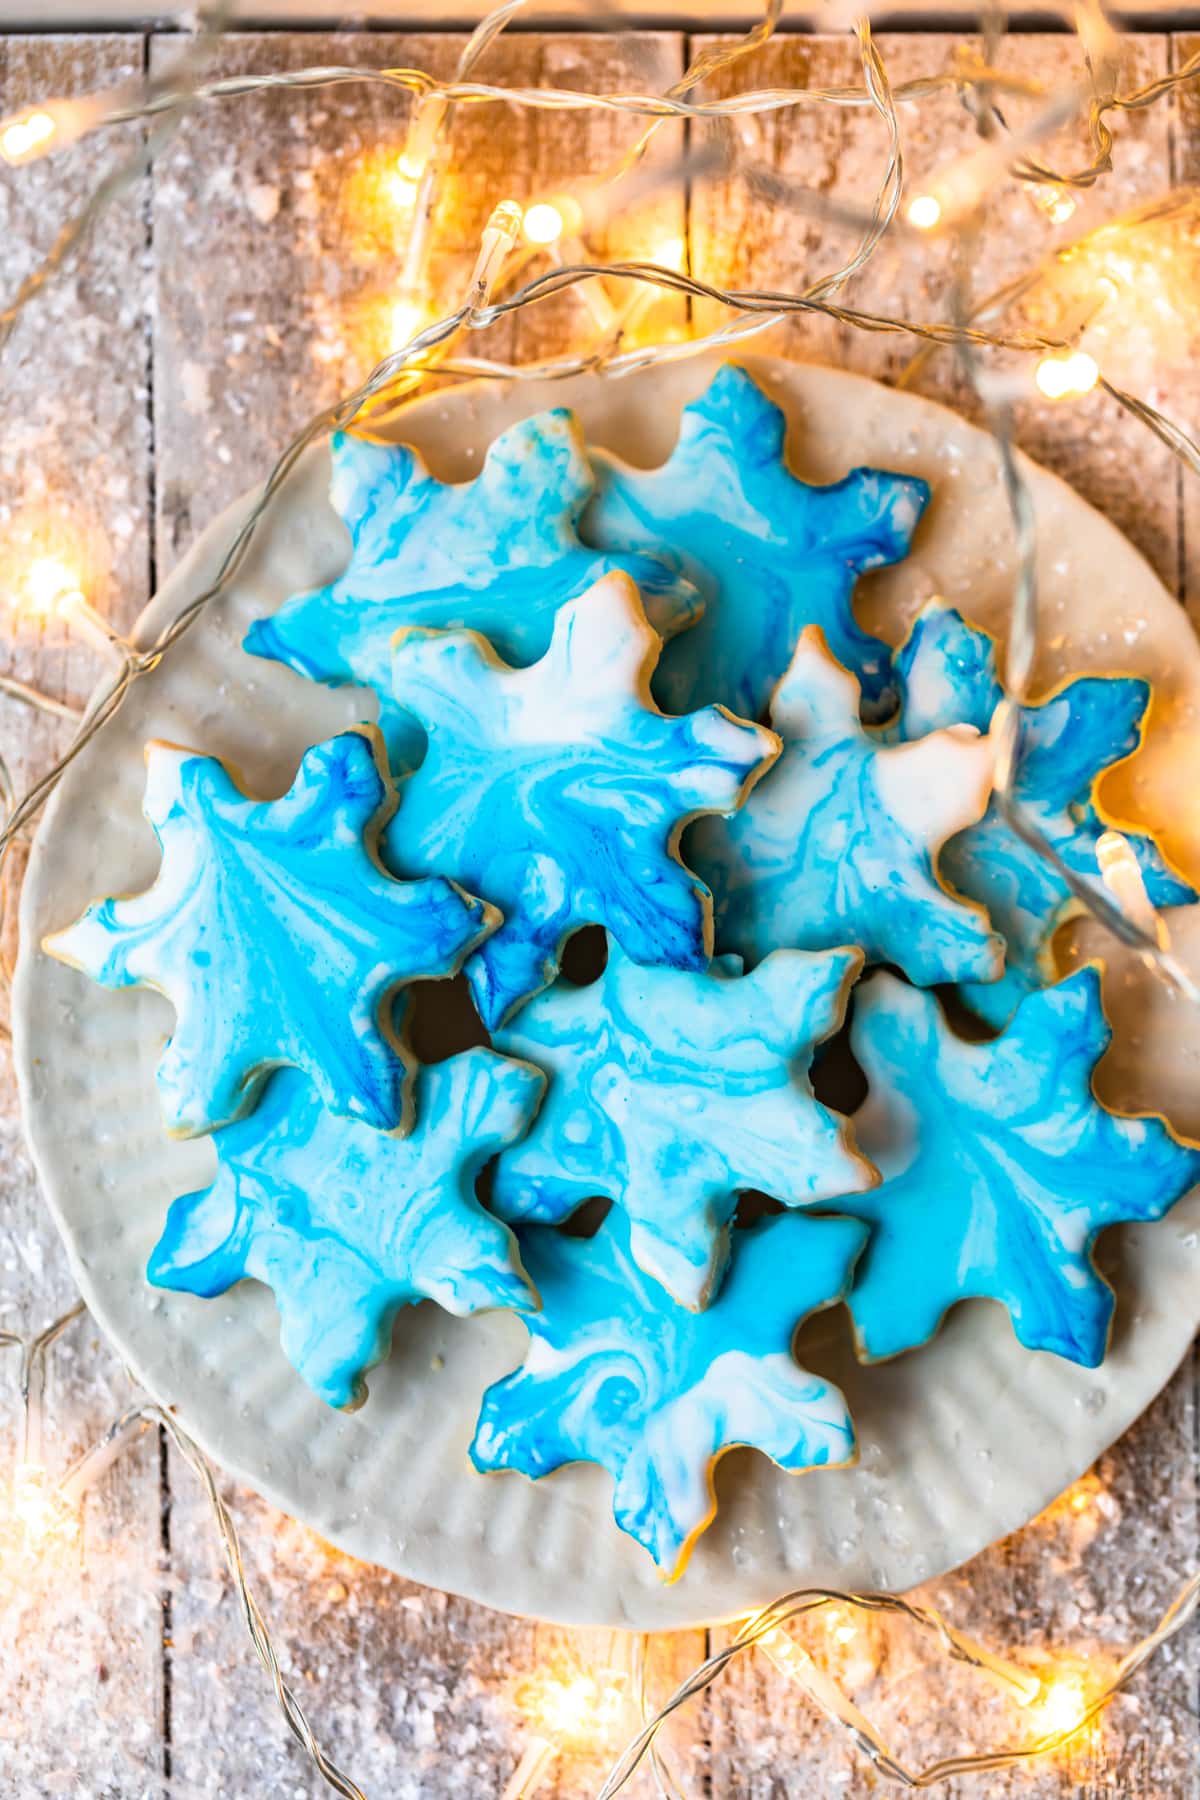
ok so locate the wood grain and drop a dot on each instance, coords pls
(294, 226)
(80, 1632)
(263, 256)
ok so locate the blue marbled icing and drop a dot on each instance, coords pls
(947, 675)
(276, 936)
(346, 1225)
(838, 843)
(769, 553)
(558, 790)
(497, 555)
(618, 1374)
(672, 1093)
(999, 1168)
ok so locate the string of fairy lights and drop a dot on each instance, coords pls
(553, 229)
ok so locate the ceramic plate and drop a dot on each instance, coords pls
(960, 1442)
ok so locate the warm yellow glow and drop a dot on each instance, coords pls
(31, 1500)
(25, 136)
(669, 253)
(567, 1705)
(423, 133)
(572, 1709)
(40, 1511)
(50, 587)
(1080, 1509)
(924, 212)
(543, 223)
(1061, 376)
(1060, 1707)
(406, 320)
(402, 190)
(787, 1655)
(1057, 204)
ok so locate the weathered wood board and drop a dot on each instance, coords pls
(80, 1634)
(248, 281)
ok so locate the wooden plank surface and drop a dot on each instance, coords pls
(80, 1632)
(271, 245)
(289, 209)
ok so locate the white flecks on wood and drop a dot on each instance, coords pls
(80, 1631)
(260, 264)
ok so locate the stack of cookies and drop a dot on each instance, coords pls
(637, 705)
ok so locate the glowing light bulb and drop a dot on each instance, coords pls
(1060, 1707)
(567, 1705)
(670, 253)
(1055, 202)
(924, 212)
(787, 1655)
(403, 190)
(1061, 376)
(31, 1500)
(572, 1709)
(50, 587)
(23, 138)
(543, 223)
(41, 1511)
(422, 139)
(406, 319)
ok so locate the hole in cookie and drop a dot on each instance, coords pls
(441, 1019)
(586, 1221)
(837, 1078)
(753, 1206)
(962, 1020)
(824, 1344)
(585, 955)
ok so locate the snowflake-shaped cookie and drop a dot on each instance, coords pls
(672, 1093)
(839, 843)
(276, 936)
(999, 1168)
(497, 555)
(769, 553)
(346, 1225)
(619, 1374)
(947, 676)
(559, 791)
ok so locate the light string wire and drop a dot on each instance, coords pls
(34, 1497)
(766, 1631)
(167, 99)
(981, 87)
